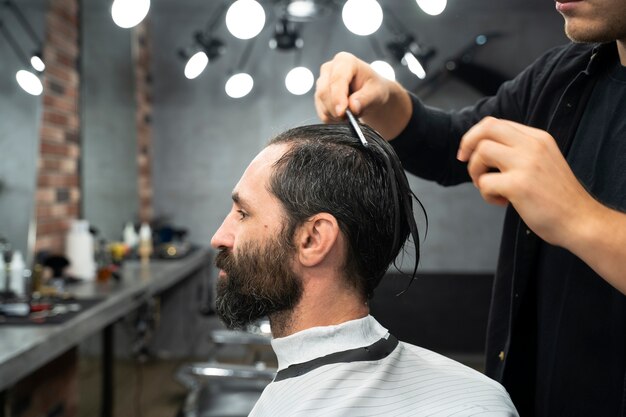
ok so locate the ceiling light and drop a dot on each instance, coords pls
(239, 85)
(302, 9)
(286, 36)
(196, 64)
(129, 13)
(414, 65)
(410, 54)
(37, 63)
(432, 7)
(362, 17)
(205, 49)
(299, 81)
(384, 69)
(29, 82)
(245, 19)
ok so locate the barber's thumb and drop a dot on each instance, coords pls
(355, 104)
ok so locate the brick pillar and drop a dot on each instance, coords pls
(58, 184)
(143, 94)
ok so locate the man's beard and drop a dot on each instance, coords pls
(259, 282)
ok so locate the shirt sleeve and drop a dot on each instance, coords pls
(428, 145)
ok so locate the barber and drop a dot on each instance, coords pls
(551, 147)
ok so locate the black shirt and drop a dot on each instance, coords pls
(594, 333)
(553, 94)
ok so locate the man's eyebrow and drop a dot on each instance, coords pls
(237, 200)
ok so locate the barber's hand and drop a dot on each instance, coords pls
(348, 82)
(510, 162)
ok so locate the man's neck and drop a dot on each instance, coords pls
(318, 307)
(621, 50)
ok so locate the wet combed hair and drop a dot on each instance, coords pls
(327, 169)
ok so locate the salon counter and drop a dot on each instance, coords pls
(24, 349)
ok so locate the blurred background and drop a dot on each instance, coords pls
(134, 118)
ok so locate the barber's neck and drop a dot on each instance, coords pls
(621, 50)
(325, 302)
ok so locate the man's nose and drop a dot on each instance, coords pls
(223, 237)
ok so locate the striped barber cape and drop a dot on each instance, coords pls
(358, 369)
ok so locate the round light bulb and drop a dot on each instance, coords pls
(196, 64)
(29, 82)
(301, 8)
(37, 63)
(129, 13)
(432, 7)
(362, 17)
(245, 19)
(299, 81)
(239, 85)
(384, 69)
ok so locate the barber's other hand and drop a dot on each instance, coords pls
(348, 82)
(532, 175)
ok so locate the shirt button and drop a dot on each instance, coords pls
(501, 355)
(528, 231)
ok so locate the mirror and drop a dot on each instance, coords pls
(20, 117)
(203, 139)
(109, 129)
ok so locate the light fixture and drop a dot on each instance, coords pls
(362, 17)
(299, 81)
(384, 69)
(196, 64)
(37, 63)
(26, 79)
(129, 13)
(410, 54)
(29, 82)
(286, 36)
(239, 85)
(245, 19)
(432, 7)
(204, 50)
(304, 10)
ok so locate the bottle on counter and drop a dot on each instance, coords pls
(80, 251)
(145, 242)
(37, 278)
(3, 273)
(17, 282)
(130, 236)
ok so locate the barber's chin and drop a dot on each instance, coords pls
(221, 274)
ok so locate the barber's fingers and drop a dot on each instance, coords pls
(494, 187)
(348, 82)
(501, 131)
(487, 156)
(333, 86)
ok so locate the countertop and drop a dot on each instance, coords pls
(24, 349)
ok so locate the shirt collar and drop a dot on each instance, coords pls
(321, 341)
(599, 56)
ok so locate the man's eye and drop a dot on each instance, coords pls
(242, 214)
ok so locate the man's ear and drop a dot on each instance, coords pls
(316, 238)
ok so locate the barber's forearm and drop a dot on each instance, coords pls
(599, 239)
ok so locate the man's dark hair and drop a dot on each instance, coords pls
(327, 169)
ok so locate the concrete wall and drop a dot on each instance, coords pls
(109, 165)
(20, 115)
(203, 140)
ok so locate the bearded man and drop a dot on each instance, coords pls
(317, 218)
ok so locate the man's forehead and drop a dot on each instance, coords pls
(255, 178)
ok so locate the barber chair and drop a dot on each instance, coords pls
(229, 388)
